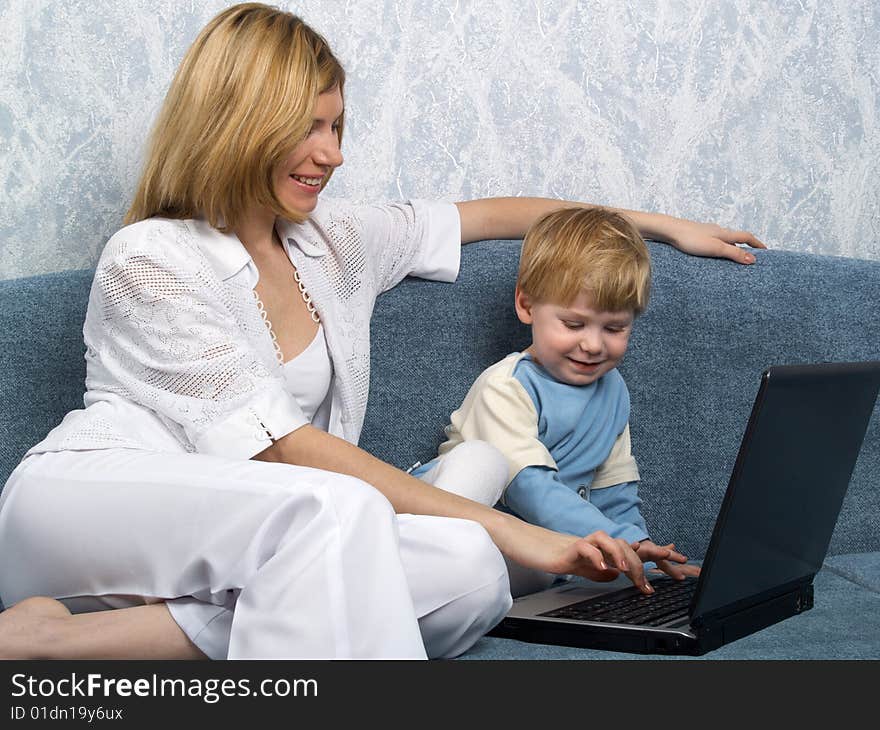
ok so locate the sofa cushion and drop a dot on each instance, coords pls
(860, 568)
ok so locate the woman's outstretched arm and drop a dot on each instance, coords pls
(504, 218)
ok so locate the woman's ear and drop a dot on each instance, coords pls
(523, 306)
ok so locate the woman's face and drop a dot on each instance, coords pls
(300, 177)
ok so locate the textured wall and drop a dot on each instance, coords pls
(755, 114)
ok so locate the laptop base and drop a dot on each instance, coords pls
(710, 635)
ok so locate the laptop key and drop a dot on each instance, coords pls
(670, 601)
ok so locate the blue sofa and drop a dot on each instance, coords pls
(693, 369)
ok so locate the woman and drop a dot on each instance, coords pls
(211, 490)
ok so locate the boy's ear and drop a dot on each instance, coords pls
(523, 306)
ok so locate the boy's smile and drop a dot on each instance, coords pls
(575, 343)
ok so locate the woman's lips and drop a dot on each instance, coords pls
(307, 182)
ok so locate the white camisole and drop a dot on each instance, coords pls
(307, 378)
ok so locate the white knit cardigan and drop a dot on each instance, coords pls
(178, 357)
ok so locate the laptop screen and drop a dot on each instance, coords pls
(788, 484)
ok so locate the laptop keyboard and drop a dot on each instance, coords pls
(670, 601)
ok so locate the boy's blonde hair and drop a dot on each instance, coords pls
(240, 103)
(595, 250)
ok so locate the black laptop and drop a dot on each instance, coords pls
(770, 538)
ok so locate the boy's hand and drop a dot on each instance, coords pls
(666, 557)
(674, 570)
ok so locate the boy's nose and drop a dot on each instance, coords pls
(591, 342)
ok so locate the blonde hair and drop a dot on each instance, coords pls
(571, 250)
(240, 102)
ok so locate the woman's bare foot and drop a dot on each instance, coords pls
(43, 628)
(28, 628)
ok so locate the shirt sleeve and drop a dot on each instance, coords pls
(620, 466)
(497, 409)
(538, 496)
(419, 238)
(620, 504)
(167, 339)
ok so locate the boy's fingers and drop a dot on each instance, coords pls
(674, 554)
(679, 572)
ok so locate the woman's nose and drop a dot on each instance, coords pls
(329, 153)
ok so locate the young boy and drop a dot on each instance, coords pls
(558, 412)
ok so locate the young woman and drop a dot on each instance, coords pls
(212, 490)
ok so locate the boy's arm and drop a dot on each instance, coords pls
(538, 496)
(504, 218)
(621, 503)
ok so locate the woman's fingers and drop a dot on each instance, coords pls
(621, 556)
(726, 250)
(742, 237)
(613, 551)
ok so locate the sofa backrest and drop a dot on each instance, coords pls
(42, 357)
(693, 366)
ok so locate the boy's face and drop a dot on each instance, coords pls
(576, 344)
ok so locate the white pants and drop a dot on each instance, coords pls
(477, 470)
(314, 564)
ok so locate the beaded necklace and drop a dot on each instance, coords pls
(310, 306)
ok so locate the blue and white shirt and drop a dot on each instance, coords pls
(567, 446)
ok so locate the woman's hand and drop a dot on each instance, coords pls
(709, 239)
(597, 556)
(600, 557)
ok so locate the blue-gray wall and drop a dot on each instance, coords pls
(755, 114)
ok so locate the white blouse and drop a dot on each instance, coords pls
(178, 357)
